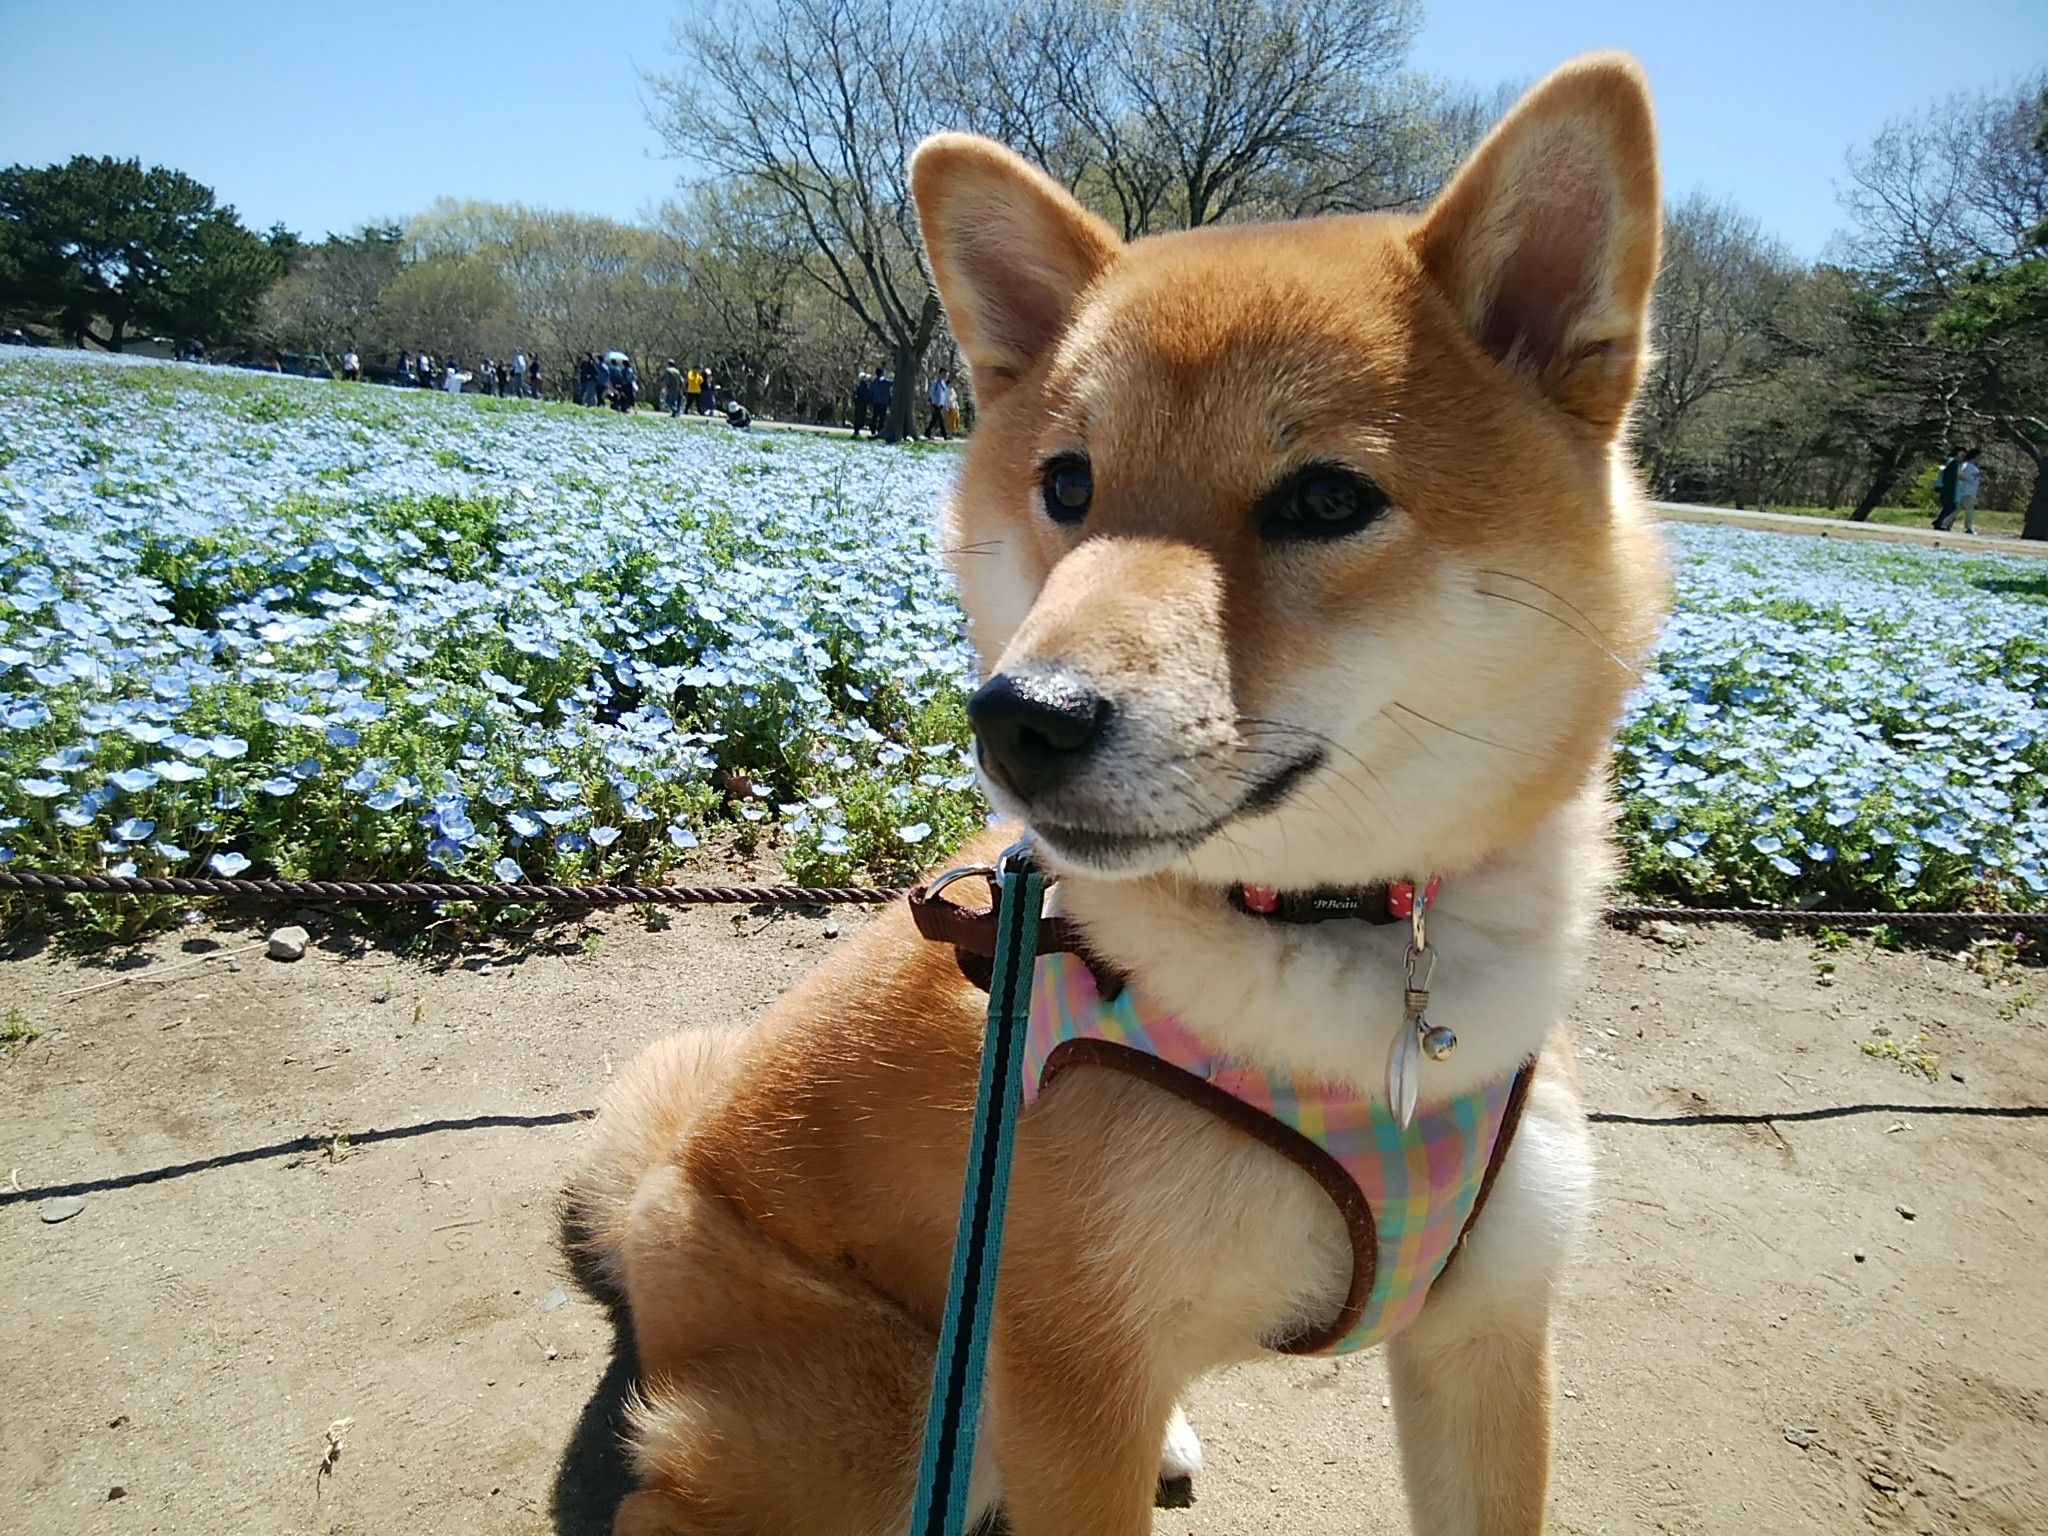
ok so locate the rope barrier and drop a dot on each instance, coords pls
(1820, 917)
(374, 892)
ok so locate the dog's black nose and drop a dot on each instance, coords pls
(1034, 730)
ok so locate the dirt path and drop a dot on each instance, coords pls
(1842, 528)
(318, 1200)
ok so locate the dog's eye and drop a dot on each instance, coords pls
(1068, 486)
(1322, 501)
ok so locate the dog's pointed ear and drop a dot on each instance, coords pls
(1546, 240)
(1010, 249)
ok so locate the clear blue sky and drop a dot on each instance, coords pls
(327, 113)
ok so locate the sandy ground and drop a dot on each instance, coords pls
(313, 1286)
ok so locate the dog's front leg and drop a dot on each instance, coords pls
(1472, 1374)
(1080, 1423)
(1472, 1398)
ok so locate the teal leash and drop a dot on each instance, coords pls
(953, 1417)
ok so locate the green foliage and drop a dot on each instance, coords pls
(16, 1031)
(98, 240)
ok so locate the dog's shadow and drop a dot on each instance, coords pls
(594, 1472)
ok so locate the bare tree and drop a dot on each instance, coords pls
(1717, 291)
(1947, 205)
(744, 259)
(1173, 113)
(1232, 92)
(819, 104)
(1957, 184)
(327, 302)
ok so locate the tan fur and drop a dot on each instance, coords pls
(776, 1207)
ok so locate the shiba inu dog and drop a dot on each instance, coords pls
(1298, 557)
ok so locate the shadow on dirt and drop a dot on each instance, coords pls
(295, 1146)
(594, 1473)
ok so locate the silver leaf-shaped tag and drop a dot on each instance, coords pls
(1404, 1072)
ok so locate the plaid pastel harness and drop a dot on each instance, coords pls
(1408, 1196)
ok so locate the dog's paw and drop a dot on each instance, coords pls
(1180, 1462)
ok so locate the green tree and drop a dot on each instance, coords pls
(98, 241)
(330, 291)
(1996, 322)
(1948, 207)
(458, 306)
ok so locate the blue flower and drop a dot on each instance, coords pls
(681, 835)
(133, 780)
(229, 864)
(44, 789)
(916, 832)
(508, 870)
(135, 829)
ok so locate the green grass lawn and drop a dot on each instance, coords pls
(2004, 524)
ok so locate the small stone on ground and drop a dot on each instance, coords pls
(288, 943)
(62, 1208)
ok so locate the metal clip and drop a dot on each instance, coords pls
(1416, 1037)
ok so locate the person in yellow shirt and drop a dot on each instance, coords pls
(694, 385)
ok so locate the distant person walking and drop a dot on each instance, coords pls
(625, 384)
(863, 397)
(586, 379)
(351, 367)
(533, 375)
(519, 373)
(707, 394)
(672, 388)
(1969, 480)
(1945, 491)
(880, 392)
(941, 393)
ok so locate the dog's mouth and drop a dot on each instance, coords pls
(1122, 850)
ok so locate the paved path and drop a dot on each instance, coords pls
(1836, 528)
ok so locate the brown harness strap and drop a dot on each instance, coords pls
(1510, 1118)
(972, 935)
(1311, 1159)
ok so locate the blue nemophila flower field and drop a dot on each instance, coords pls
(267, 625)
(1843, 724)
(263, 625)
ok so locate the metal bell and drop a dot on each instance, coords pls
(1438, 1041)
